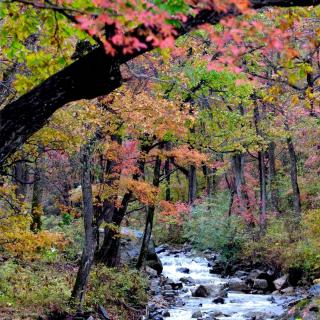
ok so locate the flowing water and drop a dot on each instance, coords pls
(237, 306)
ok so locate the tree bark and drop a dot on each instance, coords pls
(149, 219)
(263, 191)
(92, 75)
(238, 164)
(273, 190)
(209, 175)
(192, 184)
(36, 209)
(21, 179)
(91, 230)
(294, 178)
(108, 253)
(262, 173)
(168, 179)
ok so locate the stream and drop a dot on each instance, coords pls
(236, 306)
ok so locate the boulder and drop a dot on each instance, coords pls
(183, 270)
(217, 267)
(215, 314)
(241, 274)
(260, 284)
(257, 315)
(166, 313)
(218, 300)
(315, 290)
(201, 292)
(289, 290)
(236, 284)
(211, 290)
(280, 282)
(187, 280)
(196, 314)
(175, 285)
(169, 293)
(130, 246)
(151, 272)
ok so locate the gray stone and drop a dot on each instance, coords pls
(169, 293)
(315, 290)
(187, 280)
(151, 272)
(218, 300)
(260, 284)
(201, 292)
(280, 282)
(196, 314)
(209, 290)
(289, 290)
(183, 270)
(175, 285)
(166, 313)
(130, 246)
(241, 274)
(236, 284)
(257, 315)
(167, 287)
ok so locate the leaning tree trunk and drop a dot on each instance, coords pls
(91, 230)
(91, 76)
(149, 219)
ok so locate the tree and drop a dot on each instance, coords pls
(98, 73)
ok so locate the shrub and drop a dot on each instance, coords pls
(32, 291)
(211, 227)
(117, 286)
(290, 244)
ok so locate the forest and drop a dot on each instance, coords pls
(160, 159)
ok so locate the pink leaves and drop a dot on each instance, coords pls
(173, 213)
(123, 17)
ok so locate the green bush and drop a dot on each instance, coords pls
(211, 227)
(33, 288)
(114, 287)
(73, 234)
(288, 243)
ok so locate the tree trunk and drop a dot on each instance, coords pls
(294, 178)
(36, 209)
(238, 164)
(210, 180)
(262, 173)
(90, 241)
(149, 219)
(274, 193)
(192, 184)
(108, 253)
(263, 191)
(21, 179)
(168, 179)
